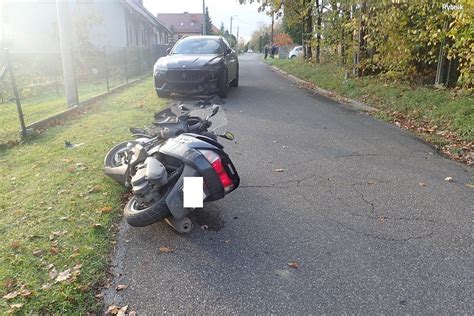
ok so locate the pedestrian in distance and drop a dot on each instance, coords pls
(274, 49)
(266, 49)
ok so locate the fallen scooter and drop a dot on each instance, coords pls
(155, 170)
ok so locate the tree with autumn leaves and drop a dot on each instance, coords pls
(427, 40)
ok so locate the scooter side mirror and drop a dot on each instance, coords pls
(215, 109)
(227, 135)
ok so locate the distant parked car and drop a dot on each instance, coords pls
(250, 51)
(296, 52)
(197, 65)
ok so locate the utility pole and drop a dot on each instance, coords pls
(64, 23)
(204, 14)
(231, 18)
(273, 24)
(237, 37)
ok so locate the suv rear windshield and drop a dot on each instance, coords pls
(198, 46)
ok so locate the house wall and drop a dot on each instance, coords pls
(31, 25)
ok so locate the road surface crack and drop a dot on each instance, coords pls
(384, 238)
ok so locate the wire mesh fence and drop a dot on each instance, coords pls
(40, 83)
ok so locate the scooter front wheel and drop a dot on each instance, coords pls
(115, 155)
(138, 217)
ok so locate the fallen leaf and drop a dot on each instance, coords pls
(294, 265)
(54, 250)
(112, 309)
(105, 209)
(97, 225)
(70, 169)
(63, 276)
(121, 287)
(38, 253)
(470, 185)
(10, 295)
(53, 235)
(94, 189)
(204, 227)
(422, 184)
(132, 313)
(15, 244)
(279, 170)
(449, 179)
(284, 146)
(80, 166)
(227, 241)
(46, 286)
(371, 182)
(166, 250)
(25, 293)
(122, 311)
(15, 306)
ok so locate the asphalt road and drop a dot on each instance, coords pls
(348, 208)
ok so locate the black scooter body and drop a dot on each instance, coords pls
(186, 148)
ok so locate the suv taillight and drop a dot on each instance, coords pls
(216, 163)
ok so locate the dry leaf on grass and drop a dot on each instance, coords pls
(132, 313)
(54, 235)
(166, 249)
(279, 170)
(204, 227)
(470, 185)
(10, 295)
(370, 182)
(121, 287)
(294, 265)
(13, 307)
(97, 225)
(53, 273)
(69, 274)
(46, 286)
(422, 184)
(449, 179)
(105, 209)
(63, 276)
(38, 253)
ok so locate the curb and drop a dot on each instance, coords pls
(329, 94)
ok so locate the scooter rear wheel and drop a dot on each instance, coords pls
(139, 217)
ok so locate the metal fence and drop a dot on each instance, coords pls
(40, 86)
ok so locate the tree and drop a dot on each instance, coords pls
(209, 26)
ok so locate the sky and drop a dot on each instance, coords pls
(246, 17)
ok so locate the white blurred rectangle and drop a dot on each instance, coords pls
(193, 192)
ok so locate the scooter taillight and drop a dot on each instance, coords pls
(216, 163)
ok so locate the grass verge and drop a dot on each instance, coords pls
(57, 209)
(444, 118)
